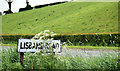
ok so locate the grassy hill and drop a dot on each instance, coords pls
(72, 17)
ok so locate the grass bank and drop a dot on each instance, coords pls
(67, 18)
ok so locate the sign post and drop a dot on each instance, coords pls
(21, 55)
(29, 45)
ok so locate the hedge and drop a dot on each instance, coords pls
(91, 39)
(94, 40)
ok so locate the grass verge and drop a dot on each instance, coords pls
(93, 47)
(49, 61)
(8, 44)
(80, 47)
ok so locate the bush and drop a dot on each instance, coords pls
(93, 40)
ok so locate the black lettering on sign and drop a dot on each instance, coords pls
(53, 45)
(48, 45)
(57, 45)
(30, 43)
(33, 45)
(21, 46)
(37, 44)
(41, 45)
(26, 45)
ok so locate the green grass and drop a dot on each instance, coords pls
(72, 17)
(80, 47)
(8, 44)
(49, 61)
(93, 47)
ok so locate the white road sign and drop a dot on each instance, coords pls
(29, 45)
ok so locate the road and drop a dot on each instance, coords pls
(78, 52)
(87, 53)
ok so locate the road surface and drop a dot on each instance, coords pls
(78, 52)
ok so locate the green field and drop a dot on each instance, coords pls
(66, 18)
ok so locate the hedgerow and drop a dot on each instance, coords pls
(92, 39)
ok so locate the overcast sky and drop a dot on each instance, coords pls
(16, 4)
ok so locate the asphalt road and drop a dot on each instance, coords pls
(78, 52)
(87, 53)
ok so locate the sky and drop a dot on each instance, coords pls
(17, 4)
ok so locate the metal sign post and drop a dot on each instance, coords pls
(21, 56)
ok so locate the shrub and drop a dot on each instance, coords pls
(96, 39)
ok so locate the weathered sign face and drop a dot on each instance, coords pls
(28, 45)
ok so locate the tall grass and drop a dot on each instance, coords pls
(38, 60)
(10, 59)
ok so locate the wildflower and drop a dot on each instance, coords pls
(46, 31)
(40, 34)
(46, 34)
(46, 41)
(49, 40)
(25, 65)
(51, 44)
(64, 43)
(53, 35)
(110, 34)
(42, 54)
(41, 37)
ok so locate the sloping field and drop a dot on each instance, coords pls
(66, 18)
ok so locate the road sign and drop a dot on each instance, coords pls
(29, 45)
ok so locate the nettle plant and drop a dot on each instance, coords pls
(45, 39)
